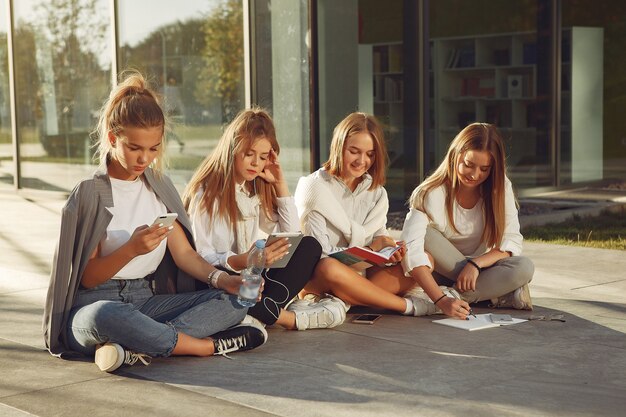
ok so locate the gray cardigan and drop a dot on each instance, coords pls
(84, 221)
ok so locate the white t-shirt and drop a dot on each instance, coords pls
(470, 224)
(134, 205)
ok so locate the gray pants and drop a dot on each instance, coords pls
(501, 278)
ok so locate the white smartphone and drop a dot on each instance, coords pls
(366, 318)
(167, 219)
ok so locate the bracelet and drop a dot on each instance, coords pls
(439, 299)
(471, 261)
(213, 278)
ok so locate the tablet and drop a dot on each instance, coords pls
(294, 240)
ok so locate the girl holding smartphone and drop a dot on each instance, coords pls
(124, 291)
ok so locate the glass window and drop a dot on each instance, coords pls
(281, 68)
(488, 65)
(193, 52)
(7, 167)
(362, 61)
(593, 91)
(62, 75)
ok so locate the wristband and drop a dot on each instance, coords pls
(439, 299)
(213, 278)
(471, 261)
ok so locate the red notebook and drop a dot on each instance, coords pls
(361, 258)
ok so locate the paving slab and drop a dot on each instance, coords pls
(396, 367)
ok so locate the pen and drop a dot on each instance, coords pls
(470, 310)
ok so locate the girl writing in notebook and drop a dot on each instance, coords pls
(240, 193)
(123, 288)
(463, 223)
(344, 204)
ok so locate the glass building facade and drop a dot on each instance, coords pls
(547, 72)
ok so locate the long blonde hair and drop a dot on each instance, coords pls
(216, 175)
(130, 104)
(352, 124)
(475, 137)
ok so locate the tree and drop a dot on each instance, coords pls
(222, 74)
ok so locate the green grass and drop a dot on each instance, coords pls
(607, 231)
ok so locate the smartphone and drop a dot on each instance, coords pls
(501, 318)
(167, 219)
(366, 318)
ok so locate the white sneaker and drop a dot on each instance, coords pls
(423, 305)
(519, 299)
(111, 356)
(327, 313)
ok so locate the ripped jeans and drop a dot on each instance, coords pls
(128, 313)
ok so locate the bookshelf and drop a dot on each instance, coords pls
(381, 92)
(493, 78)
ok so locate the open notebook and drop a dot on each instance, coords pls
(481, 321)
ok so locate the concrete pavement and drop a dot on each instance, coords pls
(400, 366)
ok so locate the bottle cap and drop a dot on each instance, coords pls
(260, 244)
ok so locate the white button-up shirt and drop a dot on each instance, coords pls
(216, 240)
(469, 223)
(356, 204)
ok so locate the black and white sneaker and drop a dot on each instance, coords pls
(247, 335)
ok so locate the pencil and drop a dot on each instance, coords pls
(470, 310)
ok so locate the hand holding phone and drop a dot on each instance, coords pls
(165, 220)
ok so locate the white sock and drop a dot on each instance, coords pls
(409, 306)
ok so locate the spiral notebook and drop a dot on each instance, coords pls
(481, 321)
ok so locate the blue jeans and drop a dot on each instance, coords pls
(127, 312)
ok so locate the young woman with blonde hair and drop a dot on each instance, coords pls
(121, 289)
(238, 195)
(464, 216)
(344, 204)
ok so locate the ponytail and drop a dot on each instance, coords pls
(131, 104)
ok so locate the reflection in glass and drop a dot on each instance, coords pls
(282, 79)
(593, 92)
(193, 53)
(7, 168)
(490, 67)
(361, 66)
(62, 74)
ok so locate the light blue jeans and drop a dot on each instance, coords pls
(127, 312)
(504, 276)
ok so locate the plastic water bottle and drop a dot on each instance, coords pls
(251, 276)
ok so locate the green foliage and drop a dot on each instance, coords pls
(607, 231)
(222, 73)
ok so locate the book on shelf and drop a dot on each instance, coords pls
(466, 58)
(451, 57)
(395, 58)
(501, 57)
(380, 55)
(469, 87)
(529, 53)
(361, 258)
(487, 87)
